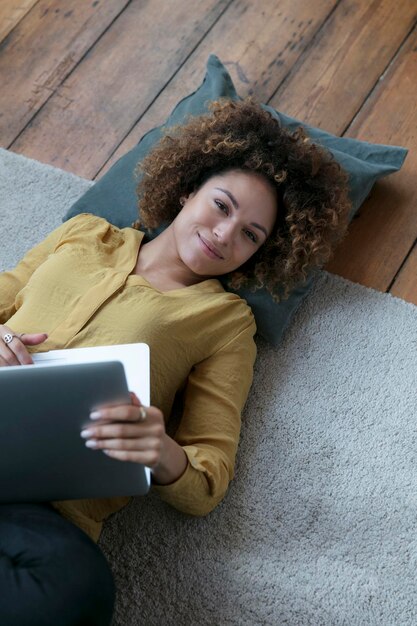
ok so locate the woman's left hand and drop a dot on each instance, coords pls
(128, 432)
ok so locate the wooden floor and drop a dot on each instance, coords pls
(82, 80)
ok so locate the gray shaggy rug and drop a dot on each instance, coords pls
(319, 525)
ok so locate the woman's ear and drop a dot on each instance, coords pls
(183, 199)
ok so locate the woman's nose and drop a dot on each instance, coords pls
(224, 232)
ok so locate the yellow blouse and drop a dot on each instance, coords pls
(78, 287)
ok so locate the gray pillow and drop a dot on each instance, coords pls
(114, 195)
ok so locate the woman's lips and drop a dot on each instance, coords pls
(210, 250)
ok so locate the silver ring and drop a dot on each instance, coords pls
(142, 414)
(8, 337)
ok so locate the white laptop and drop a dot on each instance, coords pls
(45, 406)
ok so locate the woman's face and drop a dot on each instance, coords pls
(225, 222)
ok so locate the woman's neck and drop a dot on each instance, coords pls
(158, 261)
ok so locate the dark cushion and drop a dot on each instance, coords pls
(114, 195)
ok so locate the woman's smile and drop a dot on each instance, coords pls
(209, 248)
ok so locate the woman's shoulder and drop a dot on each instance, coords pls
(88, 223)
(224, 315)
(87, 227)
(213, 294)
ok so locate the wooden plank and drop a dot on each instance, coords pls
(352, 50)
(41, 51)
(386, 229)
(11, 13)
(405, 285)
(97, 105)
(258, 47)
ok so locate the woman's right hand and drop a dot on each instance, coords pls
(15, 352)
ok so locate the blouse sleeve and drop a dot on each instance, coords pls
(209, 430)
(13, 281)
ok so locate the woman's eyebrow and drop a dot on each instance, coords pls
(236, 205)
(260, 228)
(231, 196)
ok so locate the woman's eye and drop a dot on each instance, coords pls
(222, 206)
(251, 235)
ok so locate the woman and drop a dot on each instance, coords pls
(242, 197)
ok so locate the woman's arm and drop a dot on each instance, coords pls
(192, 470)
(13, 281)
(209, 430)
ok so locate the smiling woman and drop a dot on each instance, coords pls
(242, 198)
(221, 225)
(309, 187)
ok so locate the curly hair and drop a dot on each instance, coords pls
(313, 203)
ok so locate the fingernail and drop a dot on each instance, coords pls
(86, 433)
(91, 443)
(95, 415)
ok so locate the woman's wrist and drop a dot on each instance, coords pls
(172, 464)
